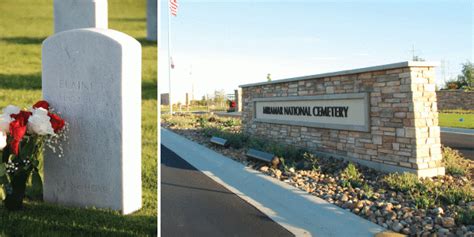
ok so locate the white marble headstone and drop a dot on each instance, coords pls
(151, 20)
(93, 77)
(76, 14)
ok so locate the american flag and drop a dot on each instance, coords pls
(174, 7)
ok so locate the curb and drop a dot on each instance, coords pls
(299, 212)
(462, 131)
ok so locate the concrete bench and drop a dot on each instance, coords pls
(263, 156)
(220, 141)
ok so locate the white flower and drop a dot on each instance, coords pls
(3, 140)
(11, 110)
(5, 123)
(39, 123)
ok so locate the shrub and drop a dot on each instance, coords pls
(455, 164)
(180, 120)
(284, 165)
(422, 200)
(230, 123)
(209, 131)
(212, 119)
(202, 122)
(290, 153)
(351, 176)
(236, 140)
(465, 217)
(165, 117)
(402, 182)
(309, 162)
(368, 190)
(452, 194)
(256, 143)
(425, 194)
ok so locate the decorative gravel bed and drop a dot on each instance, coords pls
(440, 206)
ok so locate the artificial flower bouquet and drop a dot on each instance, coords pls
(232, 106)
(23, 136)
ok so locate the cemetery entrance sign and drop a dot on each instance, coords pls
(338, 111)
(384, 117)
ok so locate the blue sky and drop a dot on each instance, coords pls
(222, 44)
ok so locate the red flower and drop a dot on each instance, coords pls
(17, 131)
(56, 122)
(41, 104)
(15, 146)
(22, 116)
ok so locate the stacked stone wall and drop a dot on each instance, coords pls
(404, 133)
(455, 99)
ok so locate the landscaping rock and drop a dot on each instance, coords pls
(437, 211)
(277, 173)
(390, 208)
(443, 231)
(391, 216)
(344, 198)
(448, 222)
(388, 234)
(397, 227)
(359, 204)
(470, 205)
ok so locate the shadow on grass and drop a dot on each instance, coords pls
(145, 42)
(38, 40)
(127, 19)
(33, 82)
(18, 81)
(149, 90)
(41, 219)
(23, 40)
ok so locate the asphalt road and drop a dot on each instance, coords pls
(192, 204)
(462, 142)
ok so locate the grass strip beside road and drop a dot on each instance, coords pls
(456, 120)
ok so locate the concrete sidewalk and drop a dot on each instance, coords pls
(299, 212)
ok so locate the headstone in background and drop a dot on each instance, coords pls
(164, 99)
(93, 77)
(76, 14)
(151, 20)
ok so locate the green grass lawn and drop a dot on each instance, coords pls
(453, 120)
(24, 24)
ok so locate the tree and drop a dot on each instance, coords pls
(467, 73)
(269, 77)
(219, 96)
(464, 80)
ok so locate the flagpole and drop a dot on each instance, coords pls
(169, 57)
